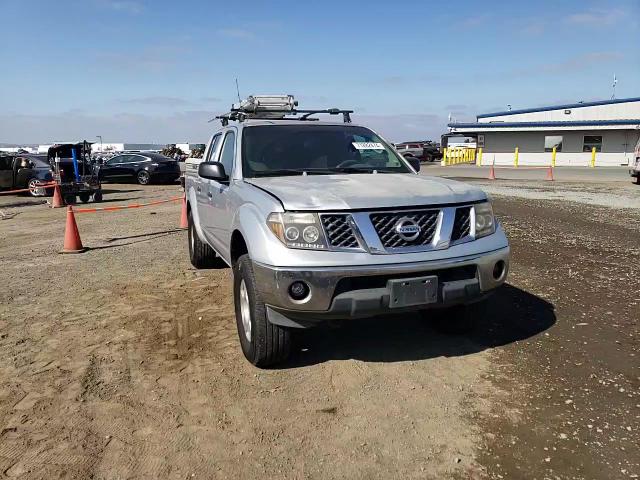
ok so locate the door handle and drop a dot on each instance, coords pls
(199, 189)
(210, 194)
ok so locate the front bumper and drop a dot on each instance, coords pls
(361, 291)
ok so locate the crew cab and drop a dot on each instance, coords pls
(325, 220)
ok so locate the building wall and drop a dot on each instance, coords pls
(617, 147)
(616, 111)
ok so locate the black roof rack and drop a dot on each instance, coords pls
(240, 116)
(275, 107)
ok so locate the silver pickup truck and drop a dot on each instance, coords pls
(325, 220)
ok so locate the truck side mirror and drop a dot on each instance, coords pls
(414, 162)
(212, 171)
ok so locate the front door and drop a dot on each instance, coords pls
(217, 216)
(6, 172)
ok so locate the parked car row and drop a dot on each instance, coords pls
(18, 171)
(425, 151)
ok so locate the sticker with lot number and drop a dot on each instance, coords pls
(368, 145)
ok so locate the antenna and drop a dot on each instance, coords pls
(238, 90)
(613, 87)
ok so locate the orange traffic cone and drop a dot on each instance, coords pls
(550, 174)
(492, 173)
(56, 201)
(184, 222)
(72, 242)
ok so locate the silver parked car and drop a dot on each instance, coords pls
(325, 220)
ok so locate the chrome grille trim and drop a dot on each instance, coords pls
(461, 224)
(340, 231)
(385, 223)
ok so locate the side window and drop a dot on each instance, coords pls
(116, 159)
(134, 159)
(5, 163)
(214, 144)
(592, 141)
(228, 150)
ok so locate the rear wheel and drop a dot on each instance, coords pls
(143, 177)
(84, 197)
(97, 197)
(638, 180)
(262, 342)
(200, 253)
(69, 199)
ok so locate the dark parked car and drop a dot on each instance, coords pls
(25, 171)
(142, 167)
(425, 151)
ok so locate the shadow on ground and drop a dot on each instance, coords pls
(511, 315)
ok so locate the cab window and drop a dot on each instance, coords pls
(228, 151)
(214, 144)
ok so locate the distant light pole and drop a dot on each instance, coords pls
(100, 137)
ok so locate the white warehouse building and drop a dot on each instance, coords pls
(612, 127)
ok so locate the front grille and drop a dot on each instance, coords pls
(461, 223)
(385, 225)
(339, 231)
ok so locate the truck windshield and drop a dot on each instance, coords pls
(278, 150)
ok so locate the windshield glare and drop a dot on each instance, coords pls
(271, 150)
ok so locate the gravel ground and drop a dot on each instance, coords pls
(123, 362)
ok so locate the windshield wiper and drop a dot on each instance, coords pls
(280, 173)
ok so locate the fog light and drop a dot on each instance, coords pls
(498, 270)
(298, 290)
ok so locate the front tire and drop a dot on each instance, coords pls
(201, 254)
(34, 189)
(143, 177)
(262, 342)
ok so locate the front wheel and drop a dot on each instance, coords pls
(143, 177)
(35, 190)
(637, 182)
(262, 342)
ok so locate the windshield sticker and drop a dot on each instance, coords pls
(368, 145)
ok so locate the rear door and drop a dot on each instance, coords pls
(113, 169)
(201, 185)
(6, 172)
(134, 163)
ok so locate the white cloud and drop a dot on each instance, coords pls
(597, 17)
(127, 6)
(157, 100)
(238, 33)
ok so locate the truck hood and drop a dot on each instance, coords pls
(365, 191)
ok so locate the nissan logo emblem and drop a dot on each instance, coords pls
(407, 229)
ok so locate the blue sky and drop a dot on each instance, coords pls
(157, 70)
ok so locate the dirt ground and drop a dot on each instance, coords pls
(123, 362)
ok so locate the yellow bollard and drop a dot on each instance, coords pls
(479, 160)
(515, 158)
(553, 157)
(593, 157)
(443, 160)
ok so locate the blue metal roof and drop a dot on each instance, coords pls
(578, 123)
(561, 107)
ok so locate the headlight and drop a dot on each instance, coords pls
(298, 230)
(485, 221)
